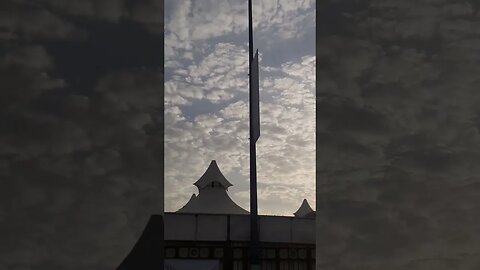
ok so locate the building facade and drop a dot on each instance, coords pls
(212, 232)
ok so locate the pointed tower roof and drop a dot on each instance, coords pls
(192, 198)
(212, 175)
(212, 197)
(304, 210)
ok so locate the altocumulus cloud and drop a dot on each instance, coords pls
(398, 135)
(206, 101)
(81, 154)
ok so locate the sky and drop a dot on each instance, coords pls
(398, 142)
(81, 125)
(397, 133)
(206, 100)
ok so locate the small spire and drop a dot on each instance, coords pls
(304, 209)
(212, 177)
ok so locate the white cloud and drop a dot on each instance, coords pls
(218, 77)
(193, 22)
(286, 148)
(208, 60)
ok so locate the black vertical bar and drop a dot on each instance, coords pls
(228, 256)
(277, 259)
(254, 258)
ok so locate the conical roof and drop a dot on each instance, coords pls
(212, 175)
(213, 201)
(212, 197)
(304, 210)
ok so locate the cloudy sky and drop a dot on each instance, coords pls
(81, 150)
(398, 142)
(206, 99)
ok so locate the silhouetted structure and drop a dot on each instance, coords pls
(212, 232)
(148, 251)
(212, 197)
(305, 210)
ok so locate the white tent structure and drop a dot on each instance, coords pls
(212, 232)
(212, 197)
(305, 210)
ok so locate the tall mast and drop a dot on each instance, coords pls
(254, 134)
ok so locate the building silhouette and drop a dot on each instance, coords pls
(212, 197)
(212, 232)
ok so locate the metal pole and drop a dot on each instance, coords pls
(254, 254)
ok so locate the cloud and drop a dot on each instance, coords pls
(190, 23)
(110, 10)
(208, 63)
(397, 137)
(81, 150)
(285, 152)
(56, 144)
(28, 22)
(149, 14)
(218, 77)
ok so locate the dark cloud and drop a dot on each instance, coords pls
(27, 21)
(397, 138)
(81, 149)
